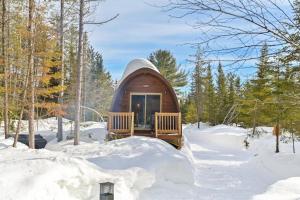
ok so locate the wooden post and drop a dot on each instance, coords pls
(109, 122)
(156, 124)
(179, 123)
(132, 124)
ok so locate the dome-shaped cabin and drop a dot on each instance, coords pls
(145, 104)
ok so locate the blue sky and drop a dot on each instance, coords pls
(139, 30)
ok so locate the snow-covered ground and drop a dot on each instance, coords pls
(226, 170)
(213, 164)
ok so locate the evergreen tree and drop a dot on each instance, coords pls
(258, 93)
(100, 84)
(183, 103)
(191, 114)
(198, 86)
(231, 90)
(166, 64)
(221, 95)
(210, 103)
(237, 86)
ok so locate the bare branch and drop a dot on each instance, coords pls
(103, 22)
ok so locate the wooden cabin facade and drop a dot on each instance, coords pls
(145, 104)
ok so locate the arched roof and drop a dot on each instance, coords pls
(144, 70)
(135, 65)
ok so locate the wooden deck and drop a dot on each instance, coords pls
(168, 127)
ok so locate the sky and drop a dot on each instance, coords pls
(140, 29)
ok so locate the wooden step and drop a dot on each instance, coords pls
(146, 134)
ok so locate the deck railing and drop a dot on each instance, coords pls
(121, 122)
(167, 123)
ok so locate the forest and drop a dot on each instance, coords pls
(49, 68)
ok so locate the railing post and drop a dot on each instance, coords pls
(132, 124)
(156, 123)
(109, 122)
(179, 123)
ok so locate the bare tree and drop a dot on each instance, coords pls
(5, 67)
(31, 84)
(79, 75)
(24, 95)
(247, 23)
(79, 67)
(61, 94)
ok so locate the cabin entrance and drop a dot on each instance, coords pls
(144, 106)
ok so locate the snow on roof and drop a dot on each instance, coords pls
(137, 64)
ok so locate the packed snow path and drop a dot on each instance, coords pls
(224, 169)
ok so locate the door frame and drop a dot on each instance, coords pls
(144, 94)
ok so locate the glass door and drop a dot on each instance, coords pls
(144, 107)
(138, 107)
(152, 106)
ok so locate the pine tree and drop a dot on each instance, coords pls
(166, 64)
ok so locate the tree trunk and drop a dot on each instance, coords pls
(5, 112)
(22, 110)
(254, 118)
(198, 114)
(84, 76)
(277, 133)
(31, 76)
(60, 99)
(293, 138)
(8, 56)
(79, 76)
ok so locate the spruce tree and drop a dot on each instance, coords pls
(231, 90)
(198, 86)
(258, 93)
(99, 82)
(221, 95)
(191, 113)
(210, 103)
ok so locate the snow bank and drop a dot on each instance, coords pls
(139, 166)
(42, 174)
(47, 128)
(221, 137)
(288, 189)
(167, 167)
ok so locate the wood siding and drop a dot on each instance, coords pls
(145, 82)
